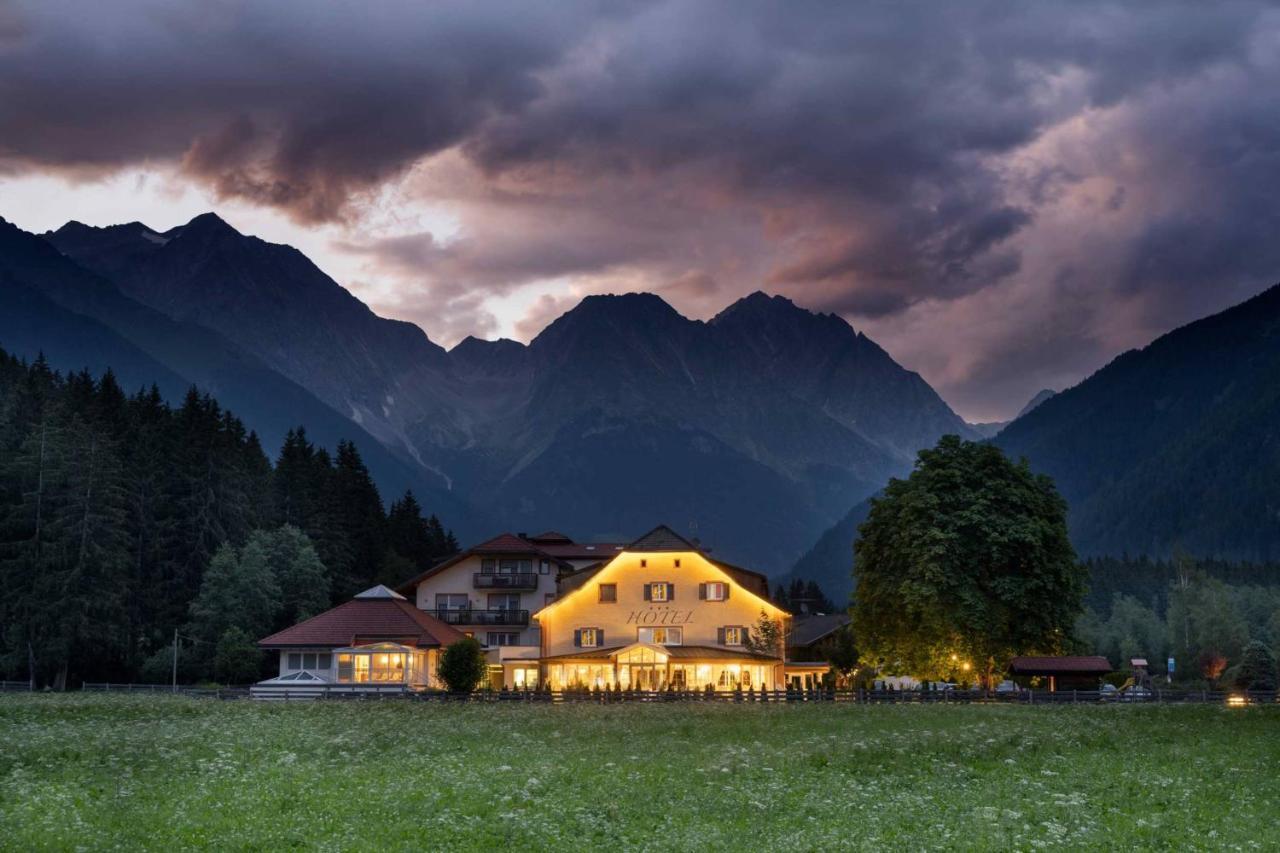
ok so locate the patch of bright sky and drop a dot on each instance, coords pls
(161, 199)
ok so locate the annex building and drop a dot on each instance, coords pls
(654, 613)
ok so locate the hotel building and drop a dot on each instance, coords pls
(655, 613)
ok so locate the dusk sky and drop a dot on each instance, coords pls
(1003, 195)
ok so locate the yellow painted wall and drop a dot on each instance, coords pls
(699, 619)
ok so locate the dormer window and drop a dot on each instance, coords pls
(662, 591)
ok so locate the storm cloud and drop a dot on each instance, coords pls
(1004, 195)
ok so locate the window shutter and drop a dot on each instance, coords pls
(599, 637)
(577, 637)
(727, 587)
(720, 636)
(671, 592)
(648, 596)
(702, 592)
(745, 635)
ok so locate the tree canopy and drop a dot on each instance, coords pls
(112, 508)
(966, 561)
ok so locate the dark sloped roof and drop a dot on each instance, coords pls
(549, 537)
(662, 538)
(506, 543)
(810, 629)
(1054, 665)
(363, 620)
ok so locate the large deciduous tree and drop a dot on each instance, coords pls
(967, 560)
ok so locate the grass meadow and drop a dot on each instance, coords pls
(166, 773)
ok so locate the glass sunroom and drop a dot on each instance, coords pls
(384, 664)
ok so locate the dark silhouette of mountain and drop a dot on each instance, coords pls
(1175, 445)
(991, 429)
(754, 428)
(80, 319)
(1172, 447)
(1041, 395)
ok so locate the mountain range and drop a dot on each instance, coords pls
(1174, 447)
(753, 431)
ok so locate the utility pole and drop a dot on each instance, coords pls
(175, 660)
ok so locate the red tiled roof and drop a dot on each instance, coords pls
(366, 619)
(1048, 665)
(507, 543)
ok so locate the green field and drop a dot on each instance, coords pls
(83, 771)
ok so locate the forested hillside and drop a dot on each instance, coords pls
(113, 505)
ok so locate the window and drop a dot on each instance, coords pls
(677, 562)
(503, 638)
(661, 636)
(544, 568)
(660, 591)
(504, 601)
(295, 660)
(512, 566)
(732, 636)
(714, 591)
(589, 638)
(608, 592)
(487, 566)
(344, 667)
(452, 601)
(644, 564)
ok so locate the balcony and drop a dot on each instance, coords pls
(482, 617)
(523, 580)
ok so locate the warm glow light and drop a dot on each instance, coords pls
(1237, 701)
(966, 666)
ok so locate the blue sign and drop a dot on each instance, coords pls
(1171, 666)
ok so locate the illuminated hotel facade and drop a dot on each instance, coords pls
(653, 614)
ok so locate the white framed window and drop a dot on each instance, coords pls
(452, 601)
(660, 591)
(588, 638)
(715, 591)
(661, 636)
(309, 660)
(733, 636)
(503, 638)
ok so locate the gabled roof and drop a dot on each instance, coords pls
(550, 537)
(810, 629)
(1053, 665)
(662, 538)
(365, 620)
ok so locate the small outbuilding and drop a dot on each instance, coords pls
(1064, 672)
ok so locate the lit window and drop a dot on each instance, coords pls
(715, 591)
(344, 668)
(661, 636)
(732, 636)
(588, 638)
(659, 592)
(608, 592)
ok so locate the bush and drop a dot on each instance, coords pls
(462, 665)
(236, 659)
(1257, 669)
(158, 667)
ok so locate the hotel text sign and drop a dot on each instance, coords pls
(663, 616)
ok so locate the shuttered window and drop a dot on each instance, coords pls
(713, 591)
(660, 591)
(588, 638)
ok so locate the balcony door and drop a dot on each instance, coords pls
(452, 601)
(504, 601)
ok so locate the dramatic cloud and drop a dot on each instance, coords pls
(1004, 195)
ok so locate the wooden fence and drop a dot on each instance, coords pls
(858, 697)
(358, 692)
